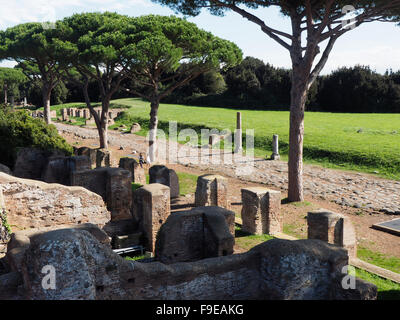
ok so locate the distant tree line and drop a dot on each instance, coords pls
(251, 84)
(256, 85)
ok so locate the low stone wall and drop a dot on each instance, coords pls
(167, 177)
(35, 204)
(277, 269)
(195, 235)
(114, 185)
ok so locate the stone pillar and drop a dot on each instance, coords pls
(275, 148)
(103, 158)
(151, 208)
(167, 177)
(261, 211)
(238, 133)
(99, 113)
(91, 153)
(114, 185)
(119, 193)
(138, 175)
(212, 190)
(86, 114)
(333, 228)
(64, 114)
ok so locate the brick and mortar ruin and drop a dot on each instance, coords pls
(75, 223)
(89, 269)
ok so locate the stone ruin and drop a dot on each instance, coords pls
(200, 233)
(165, 176)
(35, 204)
(261, 211)
(87, 268)
(333, 228)
(72, 229)
(151, 208)
(211, 190)
(137, 172)
(112, 184)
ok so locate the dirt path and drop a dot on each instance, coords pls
(362, 197)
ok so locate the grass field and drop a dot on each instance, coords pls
(362, 142)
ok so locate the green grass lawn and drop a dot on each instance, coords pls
(362, 142)
(379, 259)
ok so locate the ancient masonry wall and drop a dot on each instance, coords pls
(276, 269)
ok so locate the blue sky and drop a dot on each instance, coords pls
(374, 44)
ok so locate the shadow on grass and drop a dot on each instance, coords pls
(389, 295)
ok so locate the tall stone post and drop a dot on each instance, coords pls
(275, 148)
(238, 133)
(151, 208)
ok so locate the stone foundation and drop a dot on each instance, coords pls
(103, 158)
(151, 208)
(333, 228)
(88, 152)
(137, 172)
(261, 211)
(194, 235)
(212, 190)
(167, 177)
(114, 185)
(35, 204)
(276, 269)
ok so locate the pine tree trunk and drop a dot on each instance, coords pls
(153, 130)
(296, 135)
(46, 103)
(103, 128)
(5, 94)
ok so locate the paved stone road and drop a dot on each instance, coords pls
(345, 188)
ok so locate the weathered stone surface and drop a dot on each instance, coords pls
(59, 169)
(31, 162)
(261, 211)
(4, 233)
(298, 270)
(363, 291)
(20, 240)
(211, 190)
(333, 228)
(276, 269)
(167, 177)
(135, 128)
(35, 204)
(151, 208)
(114, 185)
(194, 235)
(5, 169)
(103, 158)
(9, 284)
(137, 172)
(88, 152)
(83, 266)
